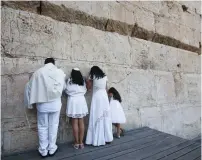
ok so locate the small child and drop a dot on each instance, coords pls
(117, 114)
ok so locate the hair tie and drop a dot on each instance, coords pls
(76, 69)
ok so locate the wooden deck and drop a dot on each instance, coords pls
(140, 144)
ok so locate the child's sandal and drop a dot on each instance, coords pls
(76, 146)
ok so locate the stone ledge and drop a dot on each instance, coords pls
(61, 13)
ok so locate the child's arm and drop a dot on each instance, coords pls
(88, 84)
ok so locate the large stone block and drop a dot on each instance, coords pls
(164, 58)
(104, 47)
(141, 88)
(13, 141)
(151, 117)
(85, 6)
(165, 87)
(189, 62)
(140, 54)
(14, 66)
(144, 19)
(133, 119)
(163, 26)
(191, 122)
(100, 9)
(193, 83)
(15, 96)
(194, 7)
(187, 35)
(117, 12)
(180, 87)
(172, 119)
(19, 124)
(170, 9)
(32, 35)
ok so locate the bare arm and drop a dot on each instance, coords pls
(89, 84)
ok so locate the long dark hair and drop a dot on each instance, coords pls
(115, 93)
(76, 78)
(97, 72)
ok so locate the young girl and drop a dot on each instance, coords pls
(117, 114)
(76, 105)
(100, 125)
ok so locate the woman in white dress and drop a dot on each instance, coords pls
(100, 125)
(117, 114)
(76, 105)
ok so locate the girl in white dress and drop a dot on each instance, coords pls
(100, 124)
(76, 105)
(117, 114)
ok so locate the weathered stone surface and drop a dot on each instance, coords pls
(193, 83)
(191, 122)
(151, 117)
(14, 96)
(13, 141)
(192, 7)
(39, 34)
(104, 47)
(160, 85)
(145, 20)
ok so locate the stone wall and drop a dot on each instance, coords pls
(158, 80)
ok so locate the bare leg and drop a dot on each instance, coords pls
(75, 130)
(81, 130)
(118, 129)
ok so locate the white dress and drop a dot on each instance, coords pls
(117, 113)
(100, 124)
(76, 103)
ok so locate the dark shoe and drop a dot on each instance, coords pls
(108, 142)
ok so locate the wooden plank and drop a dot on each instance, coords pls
(171, 150)
(191, 155)
(125, 153)
(117, 142)
(63, 148)
(198, 158)
(159, 146)
(181, 152)
(121, 147)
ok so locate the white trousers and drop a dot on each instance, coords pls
(47, 123)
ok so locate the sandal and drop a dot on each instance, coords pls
(76, 146)
(116, 136)
(81, 146)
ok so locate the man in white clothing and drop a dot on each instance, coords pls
(45, 90)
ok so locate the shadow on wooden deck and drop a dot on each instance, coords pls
(143, 143)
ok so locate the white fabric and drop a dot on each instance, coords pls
(76, 103)
(76, 69)
(99, 83)
(100, 125)
(46, 84)
(117, 113)
(52, 106)
(47, 123)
